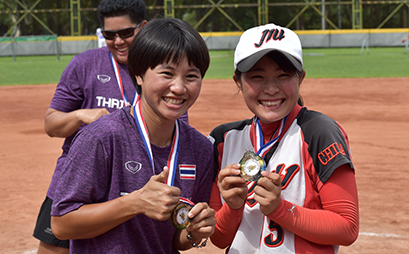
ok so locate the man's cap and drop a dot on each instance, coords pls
(256, 42)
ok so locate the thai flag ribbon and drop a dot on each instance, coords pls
(174, 151)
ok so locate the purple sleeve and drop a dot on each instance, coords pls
(69, 93)
(85, 176)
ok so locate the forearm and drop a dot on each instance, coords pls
(337, 223)
(92, 220)
(228, 221)
(61, 124)
(318, 226)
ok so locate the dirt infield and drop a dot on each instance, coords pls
(375, 113)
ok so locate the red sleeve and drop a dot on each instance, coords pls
(228, 220)
(337, 223)
(215, 201)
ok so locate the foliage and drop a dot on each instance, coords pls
(56, 15)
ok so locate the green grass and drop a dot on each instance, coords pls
(221, 65)
(332, 63)
(32, 69)
(350, 63)
(318, 63)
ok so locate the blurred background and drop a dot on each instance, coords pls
(337, 36)
(76, 17)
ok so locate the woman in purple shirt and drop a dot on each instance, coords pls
(127, 171)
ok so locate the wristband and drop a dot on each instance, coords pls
(189, 237)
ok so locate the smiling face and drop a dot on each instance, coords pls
(169, 89)
(118, 46)
(269, 92)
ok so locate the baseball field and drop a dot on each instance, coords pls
(374, 111)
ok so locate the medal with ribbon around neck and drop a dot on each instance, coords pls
(179, 216)
(252, 163)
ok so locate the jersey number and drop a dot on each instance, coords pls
(276, 236)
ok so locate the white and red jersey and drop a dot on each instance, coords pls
(309, 149)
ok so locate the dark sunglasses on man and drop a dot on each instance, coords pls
(123, 33)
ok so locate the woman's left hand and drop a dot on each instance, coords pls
(203, 222)
(268, 192)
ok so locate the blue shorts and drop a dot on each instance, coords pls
(42, 230)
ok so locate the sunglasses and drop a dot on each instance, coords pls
(123, 33)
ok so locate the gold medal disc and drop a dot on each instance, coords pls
(179, 216)
(251, 166)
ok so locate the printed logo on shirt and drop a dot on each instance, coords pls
(187, 172)
(133, 166)
(330, 153)
(103, 78)
(109, 102)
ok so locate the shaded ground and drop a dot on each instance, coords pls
(374, 112)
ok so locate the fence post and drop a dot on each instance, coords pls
(57, 47)
(365, 44)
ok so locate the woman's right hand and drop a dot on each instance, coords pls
(88, 116)
(232, 186)
(156, 199)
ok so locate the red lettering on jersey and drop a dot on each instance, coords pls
(250, 188)
(330, 153)
(250, 201)
(286, 174)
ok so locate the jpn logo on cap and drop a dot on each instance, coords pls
(276, 34)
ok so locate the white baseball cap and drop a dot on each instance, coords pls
(256, 42)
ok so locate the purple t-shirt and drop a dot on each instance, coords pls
(88, 82)
(108, 159)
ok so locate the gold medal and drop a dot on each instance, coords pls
(179, 216)
(251, 166)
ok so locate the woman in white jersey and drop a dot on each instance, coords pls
(303, 196)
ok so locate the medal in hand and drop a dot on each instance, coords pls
(251, 166)
(179, 216)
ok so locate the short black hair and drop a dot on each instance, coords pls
(163, 41)
(135, 9)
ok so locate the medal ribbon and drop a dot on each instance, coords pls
(119, 79)
(174, 151)
(187, 201)
(260, 148)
